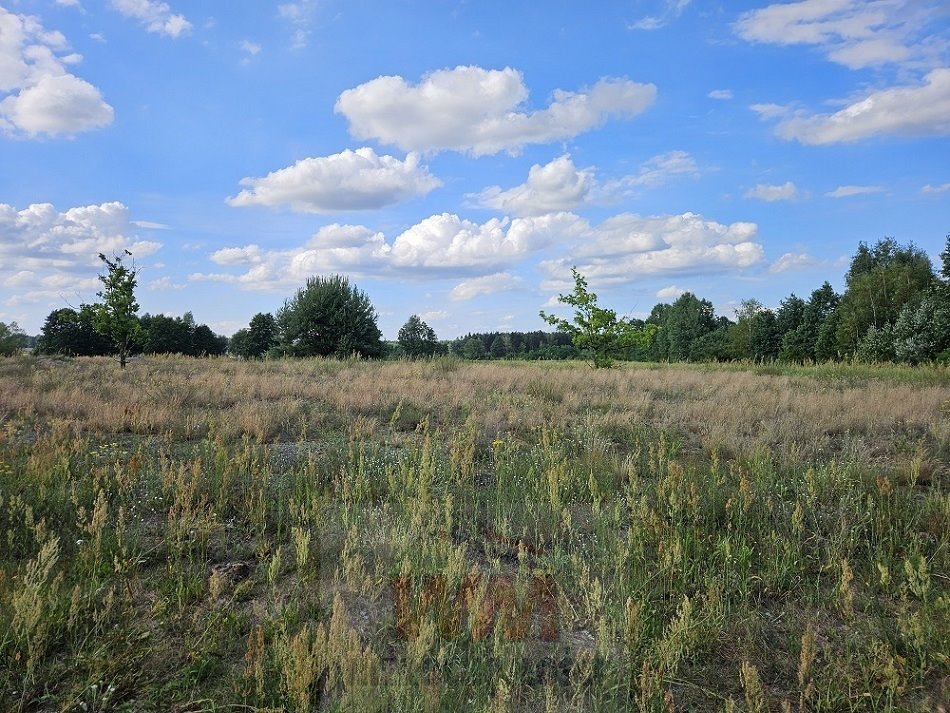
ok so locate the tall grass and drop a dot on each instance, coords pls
(318, 535)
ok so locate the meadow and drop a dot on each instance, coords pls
(321, 535)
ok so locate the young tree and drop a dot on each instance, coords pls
(417, 338)
(330, 317)
(115, 316)
(595, 329)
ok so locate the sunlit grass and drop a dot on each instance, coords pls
(320, 535)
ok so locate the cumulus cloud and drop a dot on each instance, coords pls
(912, 110)
(39, 95)
(556, 186)
(480, 111)
(764, 192)
(942, 188)
(487, 285)
(794, 261)
(847, 191)
(448, 242)
(628, 246)
(55, 253)
(854, 33)
(560, 185)
(350, 180)
(156, 17)
(435, 315)
(618, 249)
(721, 94)
(670, 293)
(354, 249)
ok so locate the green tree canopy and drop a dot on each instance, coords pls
(688, 319)
(330, 317)
(115, 316)
(417, 338)
(880, 281)
(800, 344)
(72, 333)
(257, 339)
(595, 329)
(12, 339)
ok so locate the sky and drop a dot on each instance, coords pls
(457, 159)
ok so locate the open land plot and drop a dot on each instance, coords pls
(200, 535)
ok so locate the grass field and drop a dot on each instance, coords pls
(212, 535)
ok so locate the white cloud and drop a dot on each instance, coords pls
(854, 33)
(155, 16)
(913, 110)
(350, 180)
(164, 283)
(41, 96)
(628, 246)
(672, 10)
(794, 261)
(670, 293)
(55, 253)
(68, 3)
(560, 185)
(447, 241)
(721, 94)
(655, 172)
(252, 49)
(247, 255)
(619, 249)
(436, 315)
(300, 17)
(481, 111)
(847, 191)
(487, 285)
(353, 249)
(771, 111)
(764, 192)
(943, 187)
(150, 225)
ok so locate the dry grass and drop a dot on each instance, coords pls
(321, 535)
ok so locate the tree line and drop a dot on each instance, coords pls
(895, 307)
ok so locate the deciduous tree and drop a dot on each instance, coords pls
(115, 316)
(417, 338)
(595, 329)
(12, 339)
(330, 317)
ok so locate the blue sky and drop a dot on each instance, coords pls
(455, 159)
